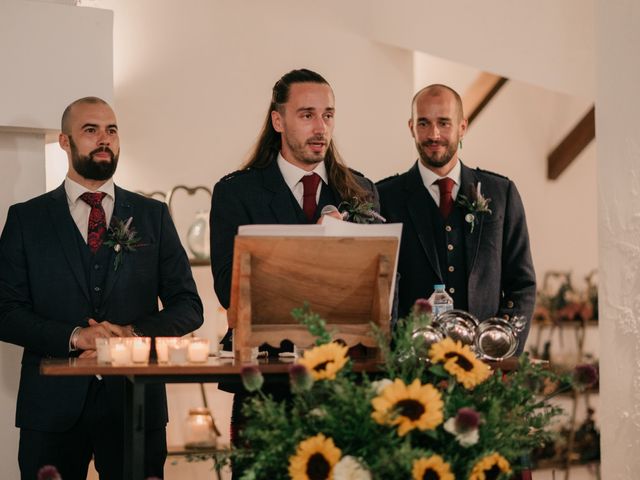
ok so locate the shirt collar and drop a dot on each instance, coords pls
(74, 189)
(429, 177)
(292, 174)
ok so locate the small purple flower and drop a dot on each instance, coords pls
(467, 419)
(422, 306)
(49, 472)
(585, 376)
(300, 377)
(252, 378)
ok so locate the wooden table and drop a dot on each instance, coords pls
(214, 371)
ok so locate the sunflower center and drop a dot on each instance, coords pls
(411, 409)
(321, 366)
(317, 467)
(492, 473)
(461, 360)
(430, 474)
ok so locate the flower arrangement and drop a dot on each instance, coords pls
(360, 211)
(445, 418)
(475, 203)
(122, 237)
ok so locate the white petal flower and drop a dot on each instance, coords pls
(465, 439)
(469, 217)
(380, 385)
(349, 468)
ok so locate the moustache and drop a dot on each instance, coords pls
(317, 139)
(102, 150)
(429, 143)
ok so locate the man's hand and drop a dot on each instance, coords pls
(86, 337)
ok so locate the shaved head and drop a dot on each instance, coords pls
(437, 90)
(65, 124)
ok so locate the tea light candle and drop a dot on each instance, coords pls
(162, 347)
(102, 348)
(120, 353)
(178, 352)
(198, 350)
(140, 349)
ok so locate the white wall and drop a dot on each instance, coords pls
(619, 233)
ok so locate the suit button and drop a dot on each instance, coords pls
(450, 247)
(451, 268)
(96, 267)
(448, 228)
(96, 289)
(509, 304)
(452, 290)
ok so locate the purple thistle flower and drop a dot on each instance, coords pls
(252, 378)
(585, 376)
(422, 306)
(467, 419)
(49, 472)
(300, 377)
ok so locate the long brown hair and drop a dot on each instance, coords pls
(269, 142)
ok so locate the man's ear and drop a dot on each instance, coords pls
(63, 140)
(410, 123)
(276, 121)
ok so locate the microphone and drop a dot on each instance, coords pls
(329, 209)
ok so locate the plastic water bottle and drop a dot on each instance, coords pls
(440, 300)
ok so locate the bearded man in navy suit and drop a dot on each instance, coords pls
(67, 279)
(462, 227)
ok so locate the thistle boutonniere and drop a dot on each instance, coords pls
(475, 203)
(122, 237)
(360, 211)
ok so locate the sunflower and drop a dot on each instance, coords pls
(460, 362)
(490, 467)
(431, 468)
(314, 459)
(408, 406)
(325, 361)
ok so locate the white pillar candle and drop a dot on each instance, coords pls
(198, 350)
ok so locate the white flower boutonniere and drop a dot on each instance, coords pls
(122, 237)
(359, 211)
(475, 203)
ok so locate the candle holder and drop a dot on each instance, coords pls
(140, 348)
(200, 430)
(198, 350)
(102, 349)
(177, 352)
(120, 349)
(162, 347)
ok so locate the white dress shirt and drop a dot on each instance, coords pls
(429, 179)
(80, 209)
(293, 177)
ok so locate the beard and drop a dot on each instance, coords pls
(312, 158)
(437, 160)
(91, 169)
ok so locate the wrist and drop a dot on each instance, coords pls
(73, 339)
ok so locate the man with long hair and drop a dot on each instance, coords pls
(293, 172)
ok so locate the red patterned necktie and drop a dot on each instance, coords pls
(309, 204)
(97, 220)
(446, 199)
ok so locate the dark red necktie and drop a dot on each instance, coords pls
(309, 204)
(97, 220)
(446, 199)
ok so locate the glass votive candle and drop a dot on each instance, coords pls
(120, 349)
(200, 431)
(177, 352)
(198, 350)
(162, 347)
(140, 348)
(102, 349)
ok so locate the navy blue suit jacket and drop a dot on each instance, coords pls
(44, 295)
(501, 279)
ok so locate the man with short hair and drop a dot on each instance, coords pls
(463, 228)
(89, 260)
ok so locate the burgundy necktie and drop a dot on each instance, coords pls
(446, 199)
(97, 220)
(309, 204)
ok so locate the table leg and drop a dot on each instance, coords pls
(134, 431)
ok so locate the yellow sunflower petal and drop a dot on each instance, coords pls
(460, 361)
(315, 457)
(434, 465)
(325, 361)
(493, 465)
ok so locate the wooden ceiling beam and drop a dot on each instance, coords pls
(480, 93)
(571, 146)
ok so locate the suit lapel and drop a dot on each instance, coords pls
(279, 195)
(417, 194)
(472, 240)
(66, 230)
(122, 211)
